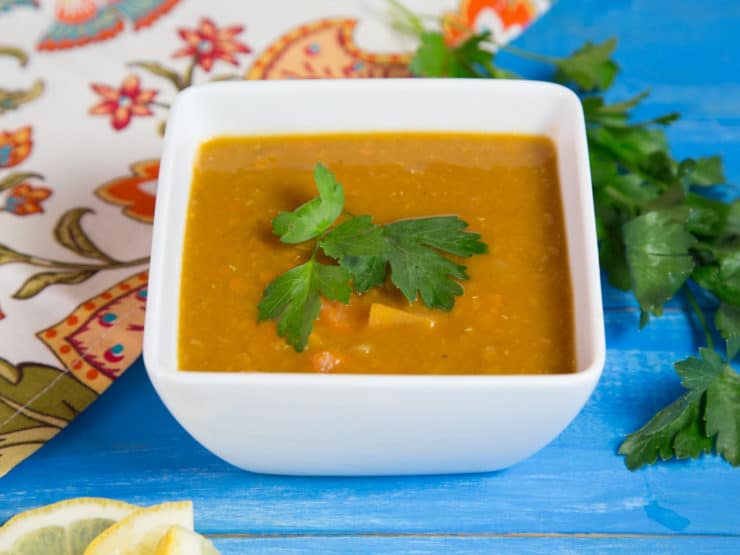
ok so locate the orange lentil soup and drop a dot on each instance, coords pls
(514, 317)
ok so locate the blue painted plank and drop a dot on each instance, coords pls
(474, 545)
(128, 447)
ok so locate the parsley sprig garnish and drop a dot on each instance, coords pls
(659, 233)
(413, 249)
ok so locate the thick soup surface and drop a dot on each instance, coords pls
(516, 313)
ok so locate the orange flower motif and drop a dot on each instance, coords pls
(15, 146)
(208, 43)
(136, 192)
(124, 102)
(24, 199)
(500, 16)
(455, 29)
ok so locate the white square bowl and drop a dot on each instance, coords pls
(372, 424)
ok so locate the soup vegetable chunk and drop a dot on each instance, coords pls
(414, 253)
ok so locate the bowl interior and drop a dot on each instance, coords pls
(289, 107)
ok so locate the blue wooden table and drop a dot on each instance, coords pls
(575, 496)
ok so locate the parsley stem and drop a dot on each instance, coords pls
(528, 55)
(413, 19)
(619, 197)
(699, 315)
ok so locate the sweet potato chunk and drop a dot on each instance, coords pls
(383, 316)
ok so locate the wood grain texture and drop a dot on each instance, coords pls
(475, 545)
(127, 446)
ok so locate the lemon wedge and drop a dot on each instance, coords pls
(141, 531)
(181, 541)
(64, 528)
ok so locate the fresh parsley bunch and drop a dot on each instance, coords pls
(413, 250)
(659, 233)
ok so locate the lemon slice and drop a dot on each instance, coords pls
(64, 528)
(141, 532)
(181, 541)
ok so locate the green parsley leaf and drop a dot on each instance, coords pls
(597, 112)
(360, 247)
(727, 320)
(691, 441)
(698, 373)
(367, 271)
(411, 247)
(655, 439)
(709, 412)
(435, 59)
(706, 217)
(590, 67)
(612, 256)
(293, 299)
(441, 232)
(633, 148)
(733, 219)
(657, 252)
(722, 279)
(722, 414)
(417, 268)
(317, 215)
(707, 171)
(355, 237)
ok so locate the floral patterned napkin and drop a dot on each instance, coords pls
(85, 87)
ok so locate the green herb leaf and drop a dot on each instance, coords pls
(434, 58)
(293, 299)
(416, 267)
(411, 247)
(596, 111)
(657, 251)
(317, 215)
(727, 320)
(692, 441)
(732, 226)
(722, 414)
(723, 278)
(445, 233)
(367, 271)
(590, 67)
(698, 373)
(708, 412)
(706, 217)
(656, 438)
(612, 256)
(357, 237)
(360, 247)
(634, 149)
(707, 171)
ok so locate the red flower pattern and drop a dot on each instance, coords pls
(124, 102)
(208, 43)
(25, 199)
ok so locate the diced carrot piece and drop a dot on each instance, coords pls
(325, 361)
(383, 316)
(336, 314)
